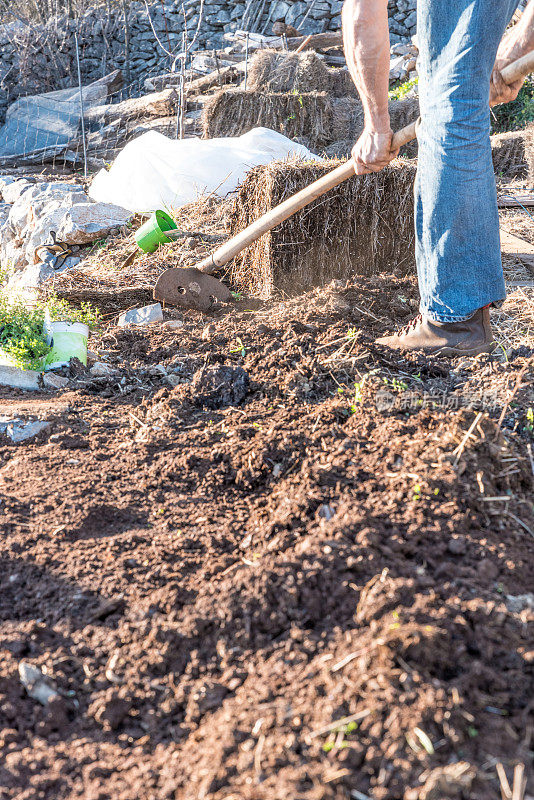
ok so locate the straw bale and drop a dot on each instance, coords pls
(278, 71)
(364, 226)
(313, 117)
(509, 154)
(529, 152)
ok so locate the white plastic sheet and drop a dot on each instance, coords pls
(154, 172)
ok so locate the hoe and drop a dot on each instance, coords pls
(196, 287)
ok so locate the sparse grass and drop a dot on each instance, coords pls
(517, 114)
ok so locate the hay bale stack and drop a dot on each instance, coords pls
(314, 117)
(275, 71)
(364, 226)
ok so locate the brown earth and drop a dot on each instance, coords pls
(304, 528)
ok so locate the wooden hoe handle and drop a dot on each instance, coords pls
(223, 254)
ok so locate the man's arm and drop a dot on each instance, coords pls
(366, 44)
(518, 41)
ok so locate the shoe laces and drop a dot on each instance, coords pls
(411, 325)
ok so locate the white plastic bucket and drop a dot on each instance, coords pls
(68, 340)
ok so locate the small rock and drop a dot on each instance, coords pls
(13, 190)
(87, 222)
(19, 378)
(173, 380)
(157, 369)
(520, 602)
(36, 684)
(173, 324)
(19, 430)
(52, 381)
(326, 512)
(101, 370)
(8, 736)
(141, 316)
(457, 545)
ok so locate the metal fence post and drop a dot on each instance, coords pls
(82, 109)
(181, 101)
(246, 59)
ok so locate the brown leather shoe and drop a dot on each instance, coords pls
(467, 338)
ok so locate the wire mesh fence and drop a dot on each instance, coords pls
(85, 125)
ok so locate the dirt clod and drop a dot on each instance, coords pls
(218, 387)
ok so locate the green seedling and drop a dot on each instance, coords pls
(240, 347)
(358, 395)
(337, 734)
(396, 384)
(416, 492)
(529, 427)
(400, 91)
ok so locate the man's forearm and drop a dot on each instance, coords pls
(519, 39)
(366, 44)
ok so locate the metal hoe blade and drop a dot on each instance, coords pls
(190, 288)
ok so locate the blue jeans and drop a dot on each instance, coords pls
(457, 223)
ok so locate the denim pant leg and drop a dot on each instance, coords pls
(457, 224)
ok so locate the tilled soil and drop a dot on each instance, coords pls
(269, 559)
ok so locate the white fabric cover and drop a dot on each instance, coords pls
(153, 172)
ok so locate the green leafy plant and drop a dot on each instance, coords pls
(21, 335)
(21, 328)
(358, 396)
(530, 420)
(400, 91)
(61, 310)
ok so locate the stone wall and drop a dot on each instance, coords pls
(43, 58)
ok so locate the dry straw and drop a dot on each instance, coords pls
(364, 226)
(509, 152)
(529, 152)
(315, 118)
(275, 71)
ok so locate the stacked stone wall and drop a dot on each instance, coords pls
(43, 57)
